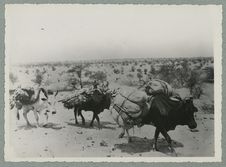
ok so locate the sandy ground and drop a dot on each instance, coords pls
(62, 138)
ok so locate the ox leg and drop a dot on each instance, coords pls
(25, 117)
(155, 146)
(75, 114)
(47, 117)
(122, 133)
(83, 119)
(91, 123)
(98, 120)
(36, 117)
(128, 136)
(168, 139)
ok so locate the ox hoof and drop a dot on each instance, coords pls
(29, 125)
(38, 126)
(172, 151)
(155, 148)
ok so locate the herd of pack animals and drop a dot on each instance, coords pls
(153, 104)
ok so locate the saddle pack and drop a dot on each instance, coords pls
(131, 103)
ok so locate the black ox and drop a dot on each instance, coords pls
(96, 102)
(175, 113)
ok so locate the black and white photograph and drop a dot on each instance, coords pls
(113, 83)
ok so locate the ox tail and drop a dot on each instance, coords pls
(17, 114)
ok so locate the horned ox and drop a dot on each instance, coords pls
(97, 103)
(181, 114)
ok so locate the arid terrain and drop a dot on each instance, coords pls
(61, 137)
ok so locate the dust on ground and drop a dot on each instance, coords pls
(61, 137)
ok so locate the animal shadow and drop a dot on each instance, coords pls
(26, 127)
(49, 125)
(52, 126)
(103, 125)
(141, 145)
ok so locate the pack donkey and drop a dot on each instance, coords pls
(38, 101)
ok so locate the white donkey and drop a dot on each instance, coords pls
(40, 102)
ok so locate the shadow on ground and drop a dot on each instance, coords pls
(47, 125)
(141, 145)
(103, 125)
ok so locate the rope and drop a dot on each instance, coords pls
(121, 111)
(126, 98)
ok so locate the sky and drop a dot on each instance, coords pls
(42, 33)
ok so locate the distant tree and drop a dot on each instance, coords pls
(130, 76)
(153, 71)
(194, 83)
(122, 70)
(139, 70)
(139, 76)
(210, 74)
(38, 77)
(78, 69)
(44, 70)
(112, 66)
(27, 71)
(132, 68)
(166, 73)
(87, 73)
(53, 68)
(99, 75)
(73, 82)
(182, 74)
(116, 71)
(145, 71)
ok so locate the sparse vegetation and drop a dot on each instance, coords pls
(132, 69)
(99, 76)
(188, 73)
(139, 75)
(53, 68)
(208, 108)
(194, 84)
(73, 82)
(116, 71)
(13, 78)
(78, 69)
(38, 77)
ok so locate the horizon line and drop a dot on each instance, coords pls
(106, 60)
